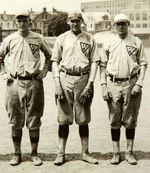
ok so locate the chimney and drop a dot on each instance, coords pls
(44, 9)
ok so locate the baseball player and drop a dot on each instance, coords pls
(24, 93)
(74, 66)
(123, 66)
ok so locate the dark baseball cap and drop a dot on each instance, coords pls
(22, 14)
(75, 16)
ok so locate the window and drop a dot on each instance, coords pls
(137, 6)
(131, 16)
(8, 25)
(137, 16)
(132, 25)
(144, 25)
(144, 16)
(138, 25)
(105, 17)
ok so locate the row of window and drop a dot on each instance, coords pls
(12, 25)
(6, 17)
(8, 25)
(91, 18)
(138, 25)
(138, 16)
(105, 4)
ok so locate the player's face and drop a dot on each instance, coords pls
(75, 25)
(23, 24)
(122, 28)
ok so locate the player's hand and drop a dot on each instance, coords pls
(107, 96)
(136, 90)
(59, 94)
(7, 76)
(87, 94)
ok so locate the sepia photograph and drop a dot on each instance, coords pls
(74, 86)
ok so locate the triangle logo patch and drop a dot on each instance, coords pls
(34, 48)
(84, 47)
(130, 49)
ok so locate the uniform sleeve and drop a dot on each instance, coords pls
(57, 50)
(141, 57)
(95, 56)
(4, 49)
(104, 55)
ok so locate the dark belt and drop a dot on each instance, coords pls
(114, 79)
(24, 77)
(74, 73)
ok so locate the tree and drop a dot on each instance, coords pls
(58, 24)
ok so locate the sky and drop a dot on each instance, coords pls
(14, 6)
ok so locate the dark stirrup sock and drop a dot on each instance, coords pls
(63, 131)
(115, 134)
(130, 133)
(84, 130)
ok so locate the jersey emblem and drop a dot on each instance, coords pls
(84, 47)
(130, 49)
(34, 48)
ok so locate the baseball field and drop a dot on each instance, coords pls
(100, 141)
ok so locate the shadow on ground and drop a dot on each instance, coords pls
(139, 155)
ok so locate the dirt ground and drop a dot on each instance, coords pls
(99, 144)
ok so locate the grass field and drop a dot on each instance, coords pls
(100, 141)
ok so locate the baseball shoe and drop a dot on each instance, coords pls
(116, 159)
(130, 158)
(59, 160)
(16, 160)
(89, 159)
(36, 160)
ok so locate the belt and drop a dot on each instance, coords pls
(24, 77)
(114, 79)
(74, 73)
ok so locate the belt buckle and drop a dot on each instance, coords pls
(32, 77)
(114, 78)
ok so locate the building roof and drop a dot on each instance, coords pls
(33, 15)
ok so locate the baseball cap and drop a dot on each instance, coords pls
(121, 18)
(22, 14)
(75, 16)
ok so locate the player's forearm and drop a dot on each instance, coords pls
(92, 75)
(141, 75)
(55, 69)
(2, 66)
(102, 74)
(93, 71)
(55, 72)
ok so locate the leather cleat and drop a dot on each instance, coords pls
(87, 158)
(16, 160)
(130, 158)
(116, 159)
(59, 160)
(36, 160)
